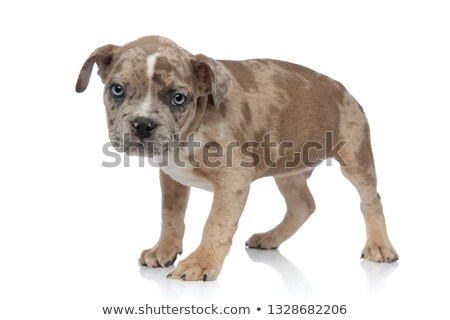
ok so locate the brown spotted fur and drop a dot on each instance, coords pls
(234, 102)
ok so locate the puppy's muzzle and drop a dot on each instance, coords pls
(143, 127)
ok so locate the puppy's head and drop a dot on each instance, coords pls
(154, 91)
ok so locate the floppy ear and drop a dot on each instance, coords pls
(103, 57)
(212, 78)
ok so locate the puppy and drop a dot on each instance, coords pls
(219, 125)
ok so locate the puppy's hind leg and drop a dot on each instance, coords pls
(378, 247)
(300, 205)
(357, 165)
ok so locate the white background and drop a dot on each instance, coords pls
(71, 230)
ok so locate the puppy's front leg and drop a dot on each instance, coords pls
(206, 261)
(175, 197)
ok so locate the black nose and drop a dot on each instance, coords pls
(143, 127)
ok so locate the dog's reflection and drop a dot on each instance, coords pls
(377, 274)
(294, 283)
(176, 289)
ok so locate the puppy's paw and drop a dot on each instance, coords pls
(379, 251)
(263, 241)
(198, 266)
(161, 255)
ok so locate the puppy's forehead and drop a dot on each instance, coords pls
(153, 55)
(131, 59)
(153, 44)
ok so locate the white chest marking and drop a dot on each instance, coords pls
(186, 177)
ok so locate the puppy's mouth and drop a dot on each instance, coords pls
(135, 146)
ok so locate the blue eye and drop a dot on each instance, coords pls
(117, 91)
(178, 100)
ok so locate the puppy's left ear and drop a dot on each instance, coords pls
(103, 57)
(212, 78)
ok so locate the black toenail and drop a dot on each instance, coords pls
(168, 263)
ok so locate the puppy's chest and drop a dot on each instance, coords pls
(183, 171)
(187, 177)
(183, 165)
